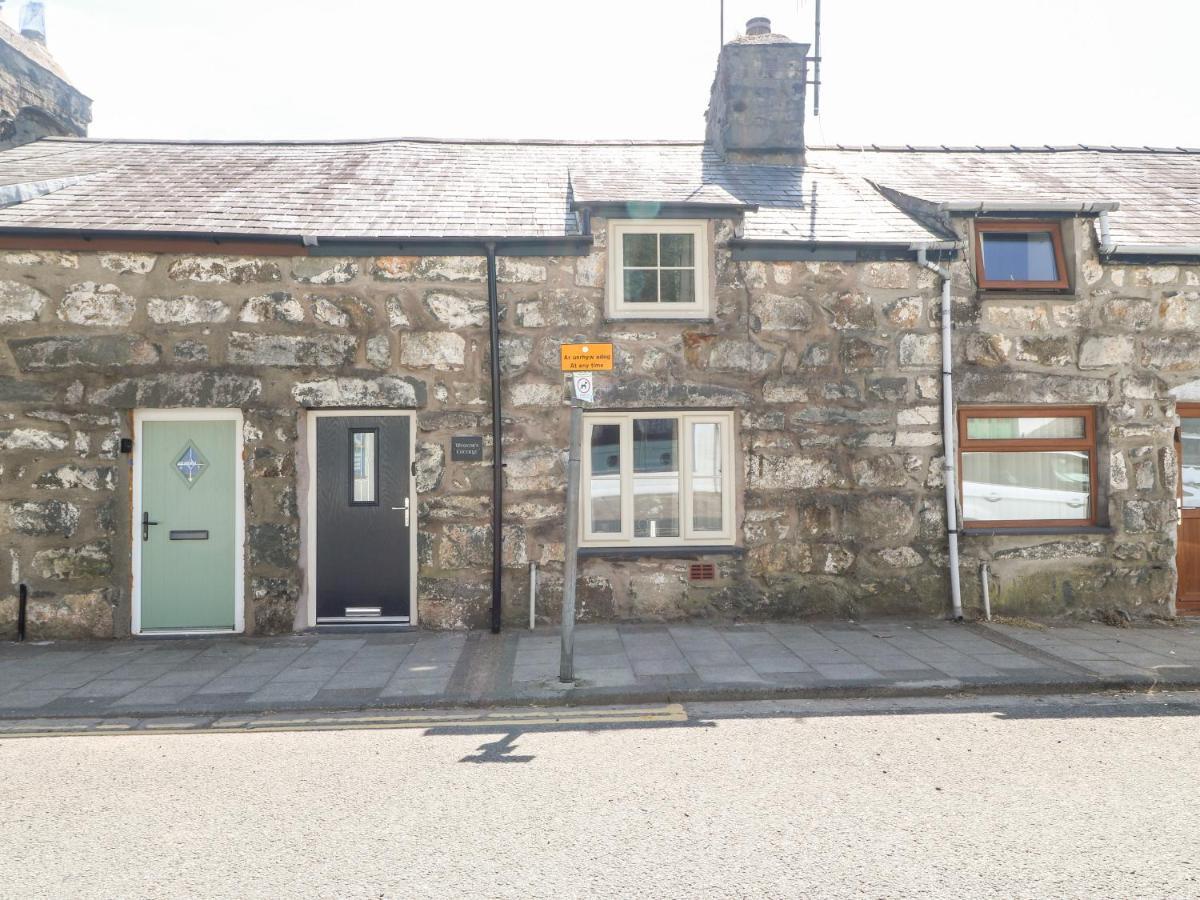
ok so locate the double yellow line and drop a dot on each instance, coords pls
(493, 720)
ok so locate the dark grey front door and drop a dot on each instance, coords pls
(364, 517)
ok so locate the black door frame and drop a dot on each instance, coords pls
(309, 510)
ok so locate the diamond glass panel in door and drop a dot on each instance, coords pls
(1019, 256)
(604, 487)
(363, 466)
(1189, 438)
(1026, 485)
(655, 478)
(707, 505)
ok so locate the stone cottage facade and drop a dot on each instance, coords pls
(769, 443)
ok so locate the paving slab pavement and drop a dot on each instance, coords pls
(613, 664)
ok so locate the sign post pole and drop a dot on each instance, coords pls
(580, 360)
(566, 665)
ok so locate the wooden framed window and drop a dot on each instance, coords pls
(658, 268)
(1027, 465)
(1020, 256)
(657, 479)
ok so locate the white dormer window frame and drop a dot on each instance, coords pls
(650, 274)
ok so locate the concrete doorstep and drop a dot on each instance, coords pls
(613, 664)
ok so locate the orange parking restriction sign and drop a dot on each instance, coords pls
(587, 357)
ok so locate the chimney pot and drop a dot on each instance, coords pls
(33, 21)
(758, 25)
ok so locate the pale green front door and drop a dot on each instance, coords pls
(187, 526)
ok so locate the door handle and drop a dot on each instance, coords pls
(406, 511)
(146, 523)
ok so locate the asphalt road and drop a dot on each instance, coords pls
(1094, 796)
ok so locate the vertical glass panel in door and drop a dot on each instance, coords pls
(1189, 438)
(655, 478)
(707, 505)
(363, 466)
(604, 487)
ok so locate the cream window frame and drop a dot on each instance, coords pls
(616, 306)
(688, 536)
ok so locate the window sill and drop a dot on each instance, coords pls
(1027, 294)
(1032, 530)
(681, 551)
(698, 319)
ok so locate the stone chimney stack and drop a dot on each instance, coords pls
(756, 111)
(33, 21)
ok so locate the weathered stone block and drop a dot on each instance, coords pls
(129, 263)
(455, 310)
(223, 269)
(71, 563)
(790, 473)
(777, 313)
(1106, 351)
(31, 439)
(430, 268)
(905, 313)
(186, 311)
(537, 395)
(42, 517)
(291, 351)
(277, 306)
(379, 351)
(191, 351)
(99, 352)
(1170, 353)
(323, 270)
(515, 270)
(100, 305)
(73, 477)
(431, 464)
(329, 313)
(191, 389)
(784, 390)
(272, 545)
(849, 311)
(900, 557)
(920, 350)
(444, 351)
(381, 391)
(20, 303)
(859, 355)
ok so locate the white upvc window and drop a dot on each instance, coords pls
(657, 479)
(658, 269)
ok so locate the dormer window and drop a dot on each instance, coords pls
(1020, 256)
(658, 269)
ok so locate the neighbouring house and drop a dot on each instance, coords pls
(252, 386)
(36, 98)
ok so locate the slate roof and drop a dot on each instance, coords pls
(425, 188)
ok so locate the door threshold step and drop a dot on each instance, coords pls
(364, 628)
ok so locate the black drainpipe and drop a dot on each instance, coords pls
(497, 436)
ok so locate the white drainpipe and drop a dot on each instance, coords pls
(948, 437)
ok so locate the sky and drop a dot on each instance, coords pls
(894, 71)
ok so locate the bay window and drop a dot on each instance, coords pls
(1028, 466)
(657, 479)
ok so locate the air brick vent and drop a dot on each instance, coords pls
(702, 572)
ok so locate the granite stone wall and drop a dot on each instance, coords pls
(832, 369)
